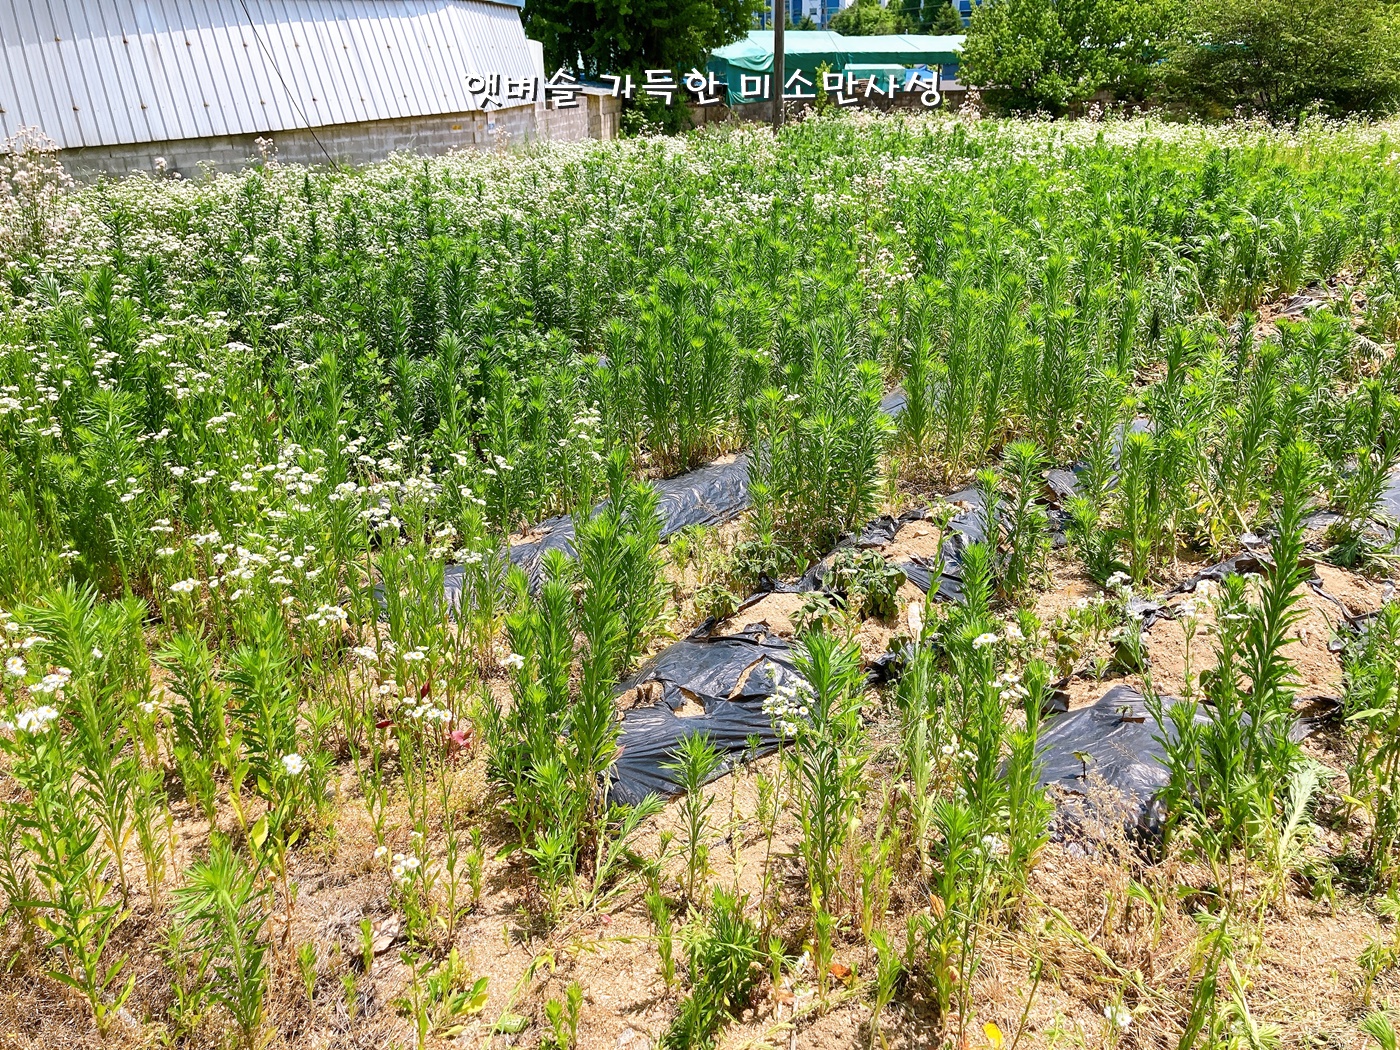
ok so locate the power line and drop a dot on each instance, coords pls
(273, 62)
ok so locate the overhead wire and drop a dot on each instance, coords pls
(267, 52)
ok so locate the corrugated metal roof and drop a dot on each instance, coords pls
(102, 72)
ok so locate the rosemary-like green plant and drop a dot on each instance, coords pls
(1372, 705)
(722, 948)
(817, 454)
(1025, 530)
(827, 757)
(889, 967)
(223, 908)
(660, 913)
(694, 762)
(1231, 772)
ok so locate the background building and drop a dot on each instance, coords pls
(125, 85)
(810, 49)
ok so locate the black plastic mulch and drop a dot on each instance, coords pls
(1255, 559)
(1063, 483)
(730, 676)
(1119, 738)
(1387, 511)
(708, 495)
(966, 528)
(1390, 498)
(1124, 758)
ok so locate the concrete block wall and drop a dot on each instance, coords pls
(563, 125)
(352, 144)
(604, 116)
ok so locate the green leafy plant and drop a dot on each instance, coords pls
(441, 998)
(722, 948)
(867, 583)
(563, 1018)
(695, 761)
(1232, 771)
(817, 471)
(224, 907)
(660, 913)
(1373, 722)
(826, 759)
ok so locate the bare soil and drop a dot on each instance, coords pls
(1096, 938)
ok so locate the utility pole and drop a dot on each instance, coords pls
(779, 24)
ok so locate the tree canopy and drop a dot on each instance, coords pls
(930, 16)
(871, 18)
(1270, 57)
(1049, 54)
(1278, 57)
(866, 18)
(596, 37)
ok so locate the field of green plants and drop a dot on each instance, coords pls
(300, 749)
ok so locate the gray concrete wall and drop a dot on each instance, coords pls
(604, 116)
(361, 143)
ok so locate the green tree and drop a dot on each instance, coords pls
(1278, 57)
(597, 37)
(930, 16)
(946, 21)
(1049, 54)
(868, 18)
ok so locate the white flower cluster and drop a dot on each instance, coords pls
(426, 712)
(994, 846)
(790, 705)
(1010, 687)
(404, 868)
(52, 684)
(950, 750)
(326, 615)
(36, 719)
(1120, 1017)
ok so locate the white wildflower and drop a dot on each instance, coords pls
(36, 719)
(1118, 1016)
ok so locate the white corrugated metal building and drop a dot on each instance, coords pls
(124, 85)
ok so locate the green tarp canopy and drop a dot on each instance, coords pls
(807, 50)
